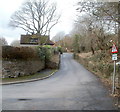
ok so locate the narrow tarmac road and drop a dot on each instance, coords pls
(71, 88)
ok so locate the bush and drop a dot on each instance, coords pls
(47, 46)
(43, 53)
(9, 52)
(60, 49)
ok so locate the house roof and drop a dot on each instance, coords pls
(50, 43)
(35, 40)
(25, 39)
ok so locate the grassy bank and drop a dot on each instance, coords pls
(38, 75)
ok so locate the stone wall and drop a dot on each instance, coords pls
(22, 61)
(17, 68)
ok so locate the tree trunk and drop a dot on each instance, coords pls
(92, 49)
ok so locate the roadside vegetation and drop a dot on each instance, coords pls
(44, 53)
(39, 75)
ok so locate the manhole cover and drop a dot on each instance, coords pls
(23, 99)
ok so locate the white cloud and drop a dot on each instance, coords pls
(11, 34)
(8, 7)
(67, 9)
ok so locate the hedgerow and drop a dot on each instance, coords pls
(24, 53)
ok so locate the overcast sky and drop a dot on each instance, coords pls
(8, 7)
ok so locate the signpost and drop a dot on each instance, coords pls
(114, 58)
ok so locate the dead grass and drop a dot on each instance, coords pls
(85, 55)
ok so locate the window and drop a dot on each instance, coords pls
(34, 40)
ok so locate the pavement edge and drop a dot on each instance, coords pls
(32, 80)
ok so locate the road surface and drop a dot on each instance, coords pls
(71, 88)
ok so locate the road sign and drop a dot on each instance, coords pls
(114, 49)
(114, 57)
(118, 63)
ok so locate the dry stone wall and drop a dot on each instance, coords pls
(18, 68)
(12, 69)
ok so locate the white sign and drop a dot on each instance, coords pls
(118, 63)
(114, 57)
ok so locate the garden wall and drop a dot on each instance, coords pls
(22, 61)
(17, 68)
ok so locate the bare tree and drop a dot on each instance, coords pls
(101, 21)
(3, 41)
(36, 17)
(107, 12)
(59, 36)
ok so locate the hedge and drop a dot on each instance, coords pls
(25, 53)
(9, 52)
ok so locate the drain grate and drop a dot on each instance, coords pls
(23, 99)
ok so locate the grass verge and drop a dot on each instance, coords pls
(39, 75)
